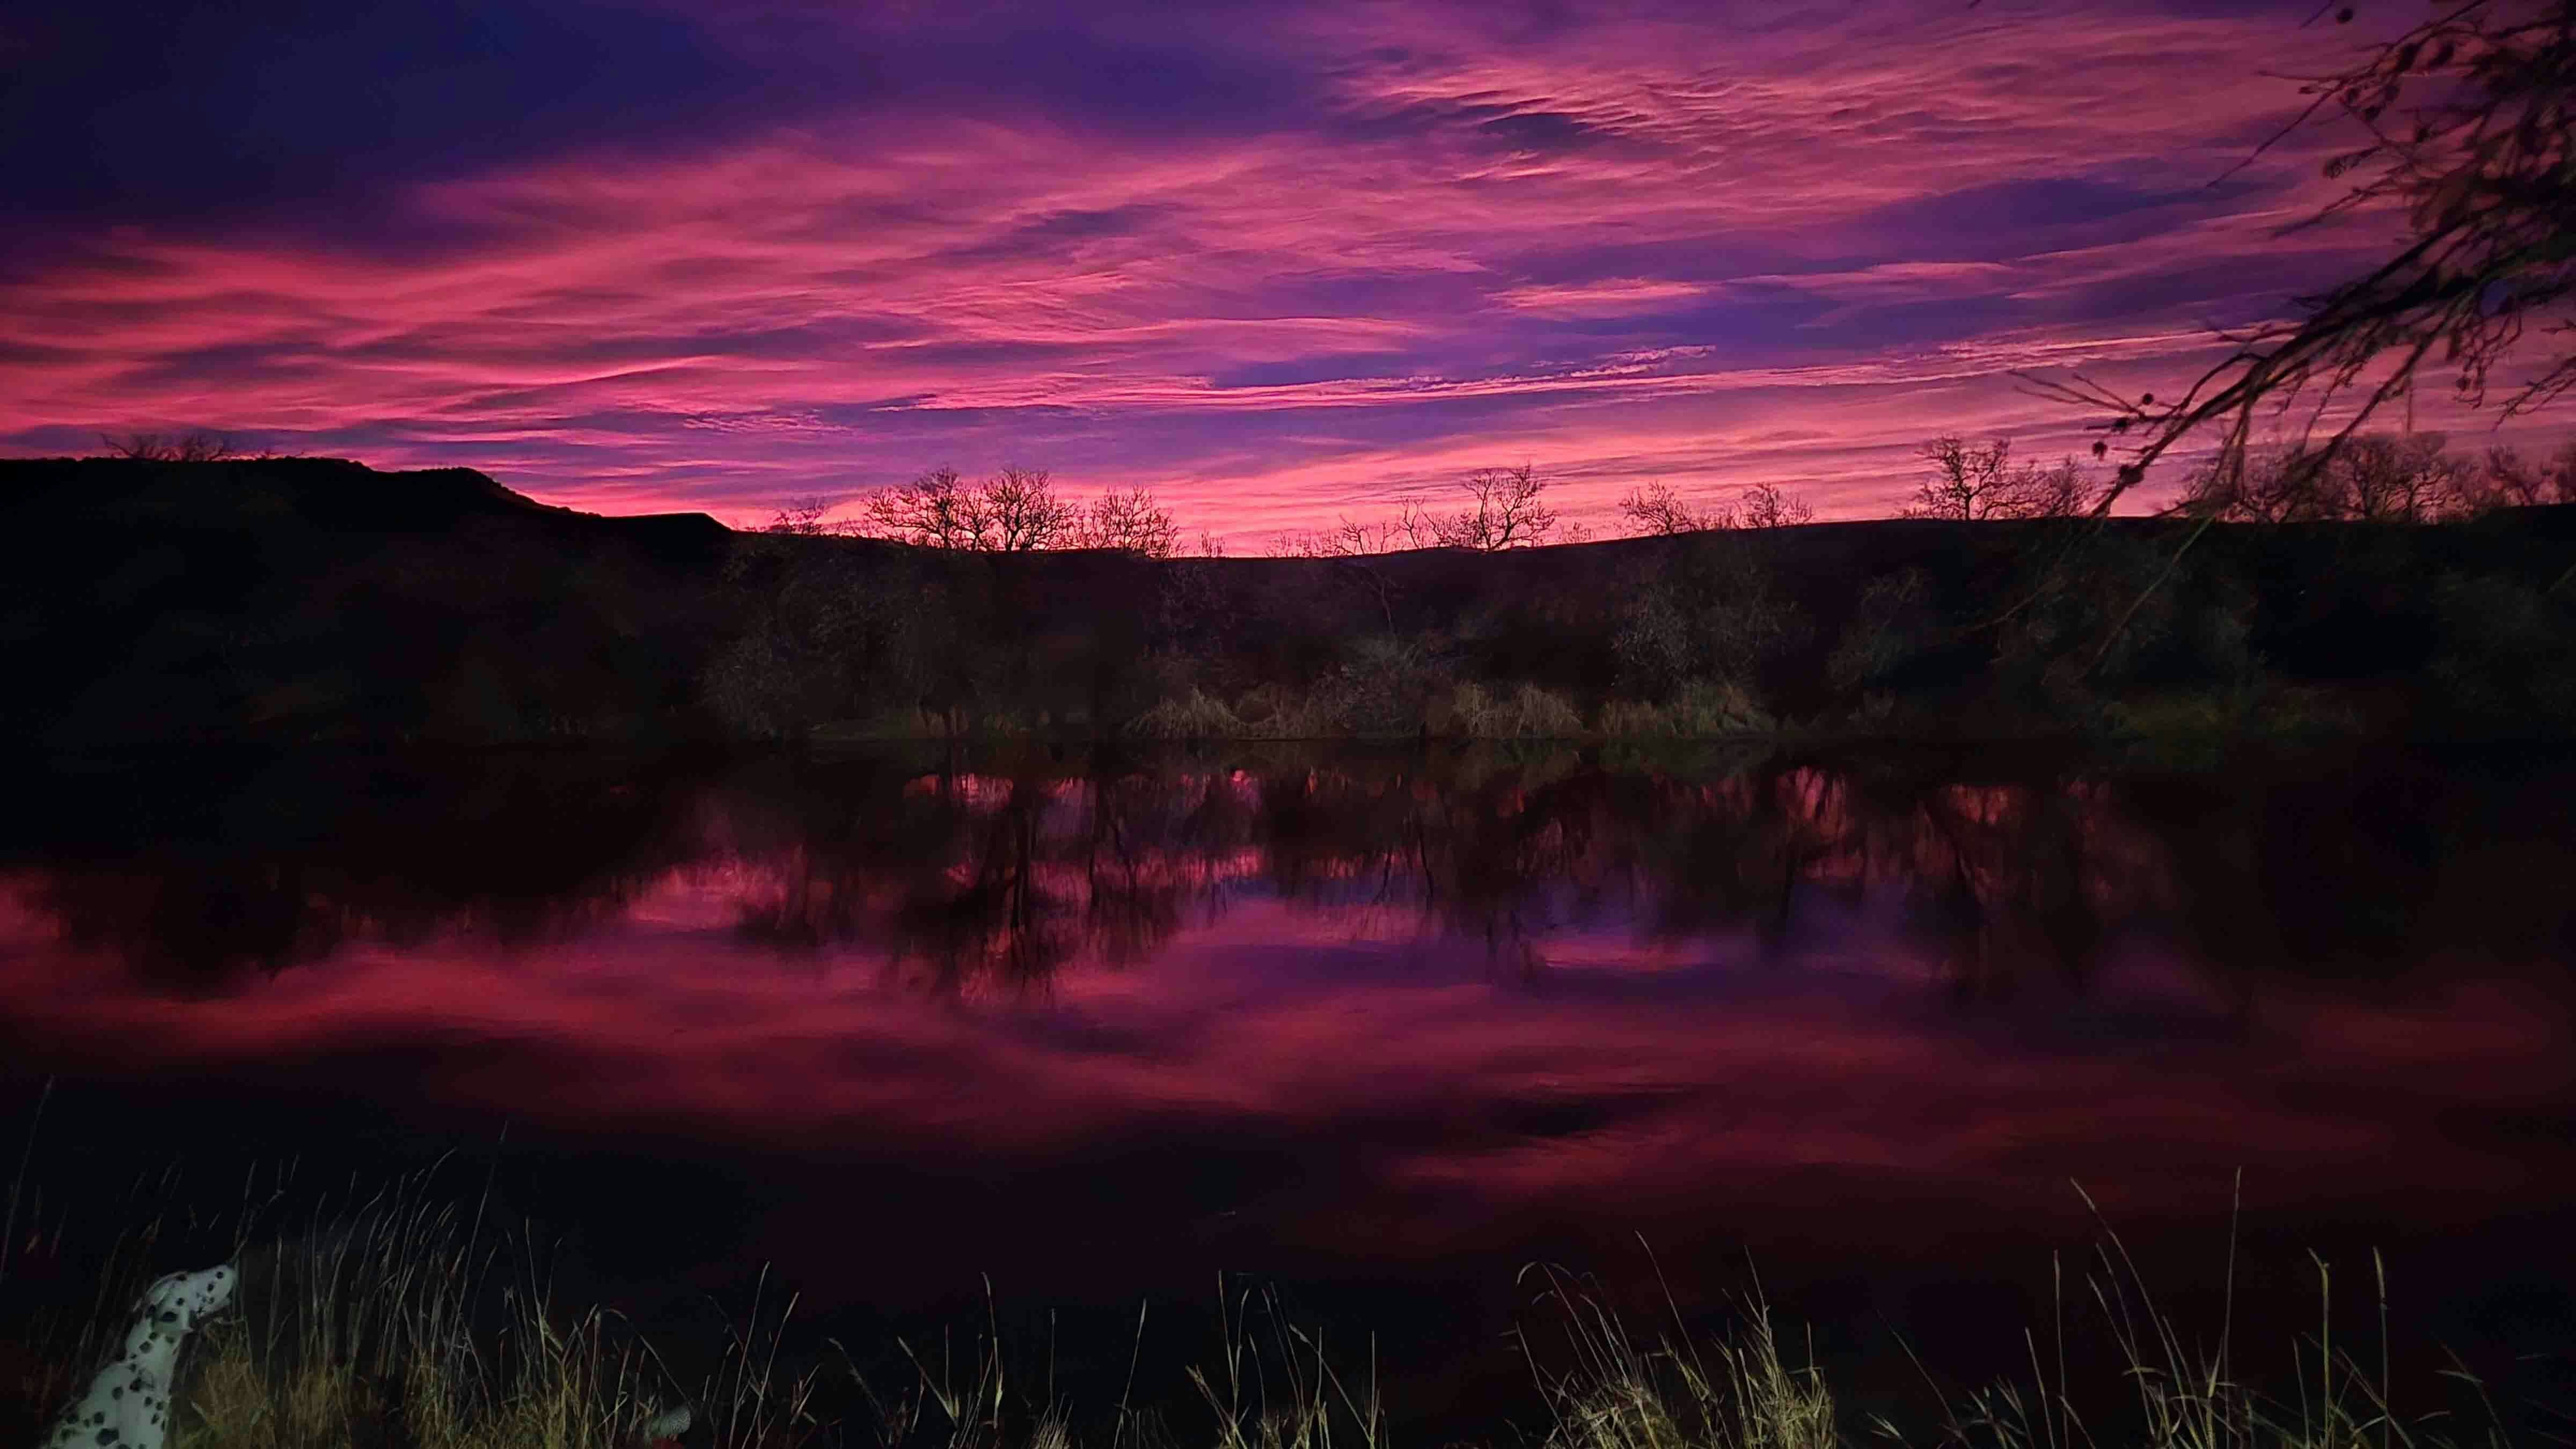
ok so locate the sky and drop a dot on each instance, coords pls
(1278, 263)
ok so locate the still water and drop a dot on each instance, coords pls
(1886, 1029)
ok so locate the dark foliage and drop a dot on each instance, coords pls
(302, 599)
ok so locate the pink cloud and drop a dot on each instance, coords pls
(1624, 251)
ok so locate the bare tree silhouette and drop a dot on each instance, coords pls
(2470, 119)
(1507, 513)
(2374, 478)
(1131, 521)
(1022, 512)
(1657, 510)
(2513, 481)
(1765, 506)
(198, 447)
(1355, 547)
(935, 510)
(1971, 482)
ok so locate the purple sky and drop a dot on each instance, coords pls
(1278, 263)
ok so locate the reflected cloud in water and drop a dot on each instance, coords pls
(1536, 980)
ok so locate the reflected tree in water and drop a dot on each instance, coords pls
(1000, 878)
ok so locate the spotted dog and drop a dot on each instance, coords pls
(128, 1404)
(664, 1429)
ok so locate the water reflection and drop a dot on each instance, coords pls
(198, 870)
(999, 879)
(1101, 1026)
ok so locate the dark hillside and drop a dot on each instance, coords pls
(302, 599)
(1928, 627)
(307, 598)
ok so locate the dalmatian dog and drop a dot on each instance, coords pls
(128, 1405)
(664, 1429)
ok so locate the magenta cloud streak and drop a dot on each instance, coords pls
(1707, 252)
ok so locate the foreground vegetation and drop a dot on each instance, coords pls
(378, 1329)
(154, 600)
(1925, 627)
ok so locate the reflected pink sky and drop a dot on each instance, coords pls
(1277, 263)
(1676, 1072)
(1379, 1030)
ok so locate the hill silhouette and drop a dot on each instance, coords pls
(301, 599)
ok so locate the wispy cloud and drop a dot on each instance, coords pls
(1262, 267)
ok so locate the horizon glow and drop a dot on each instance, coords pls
(1277, 264)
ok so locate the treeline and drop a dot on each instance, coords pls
(2373, 477)
(181, 598)
(2391, 585)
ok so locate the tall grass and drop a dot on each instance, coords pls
(2189, 1399)
(373, 1330)
(1528, 713)
(1287, 1396)
(406, 1324)
(1615, 1394)
(1463, 711)
(1195, 716)
(976, 1414)
(1744, 1392)
(1703, 709)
